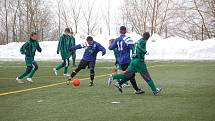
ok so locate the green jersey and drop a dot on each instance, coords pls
(139, 49)
(65, 42)
(29, 49)
(138, 57)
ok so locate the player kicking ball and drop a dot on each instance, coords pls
(137, 65)
(89, 58)
(29, 49)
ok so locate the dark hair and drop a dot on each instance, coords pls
(67, 30)
(89, 38)
(33, 33)
(146, 35)
(122, 29)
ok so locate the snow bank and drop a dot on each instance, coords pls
(158, 48)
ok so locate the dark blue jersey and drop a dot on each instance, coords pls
(124, 45)
(91, 51)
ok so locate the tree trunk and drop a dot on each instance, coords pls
(6, 22)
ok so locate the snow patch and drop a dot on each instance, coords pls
(158, 48)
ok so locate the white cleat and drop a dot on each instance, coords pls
(125, 85)
(19, 80)
(110, 79)
(55, 71)
(67, 75)
(30, 80)
(158, 90)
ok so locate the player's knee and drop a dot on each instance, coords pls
(36, 67)
(92, 72)
(129, 74)
(28, 70)
(67, 64)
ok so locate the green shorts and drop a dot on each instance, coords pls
(137, 65)
(29, 61)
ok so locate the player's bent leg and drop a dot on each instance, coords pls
(58, 67)
(72, 75)
(66, 66)
(146, 76)
(116, 76)
(92, 72)
(82, 65)
(126, 76)
(25, 73)
(33, 70)
(73, 59)
(136, 88)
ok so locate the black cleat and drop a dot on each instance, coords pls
(139, 92)
(119, 87)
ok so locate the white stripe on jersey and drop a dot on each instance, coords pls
(128, 40)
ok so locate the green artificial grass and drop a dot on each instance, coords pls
(188, 94)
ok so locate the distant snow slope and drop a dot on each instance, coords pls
(158, 48)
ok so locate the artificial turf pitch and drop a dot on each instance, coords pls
(188, 94)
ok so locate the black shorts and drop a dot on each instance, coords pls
(83, 64)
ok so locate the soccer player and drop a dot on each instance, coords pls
(137, 65)
(124, 45)
(117, 68)
(89, 57)
(73, 53)
(64, 43)
(29, 49)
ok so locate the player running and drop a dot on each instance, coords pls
(73, 53)
(89, 57)
(137, 65)
(29, 49)
(117, 68)
(124, 45)
(64, 43)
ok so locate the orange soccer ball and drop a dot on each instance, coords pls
(76, 82)
(114, 70)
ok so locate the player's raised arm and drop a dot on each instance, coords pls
(76, 47)
(101, 48)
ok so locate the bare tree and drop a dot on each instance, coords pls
(106, 15)
(76, 8)
(6, 22)
(91, 19)
(143, 15)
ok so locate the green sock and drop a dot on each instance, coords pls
(59, 66)
(73, 62)
(65, 70)
(31, 73)
(118, 76)
(152, 85)
(22, 75)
